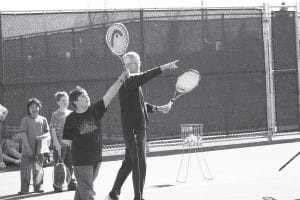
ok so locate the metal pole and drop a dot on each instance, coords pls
(1, 62)
(143, 54)
(73, 54)
(2, 78)
(297, 29)
(271, 117)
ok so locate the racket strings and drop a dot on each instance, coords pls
(187, 81)
(39, 176)
(61, 176)
(117, 38)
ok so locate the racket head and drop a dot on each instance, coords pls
(39, 173)
(117, 38)
(188, 81)
(3, 112)
(61, 176)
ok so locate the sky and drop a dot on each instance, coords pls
(34, 5)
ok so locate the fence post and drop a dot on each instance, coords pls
(1, 62)
(144, 59)
(143, 54)
(73, 55)
(270, 90)
(2, 124)
(297, 28)
(105, 49)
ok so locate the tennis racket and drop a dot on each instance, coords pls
(186, 82)
(117, 39)
(61, 175)
(39, 173)
(3, 112)
(290, 160)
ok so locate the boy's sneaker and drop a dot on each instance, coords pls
(56, 189)
(39, 191)
(22, 193)
(72, 186)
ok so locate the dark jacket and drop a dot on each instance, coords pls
(133, 108)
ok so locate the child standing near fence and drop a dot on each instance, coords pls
(61, 150)
(3, 114)
(35, 130)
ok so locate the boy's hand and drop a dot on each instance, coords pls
(2, 165)
(30, 152)
(38, 138)
(125, 75)
(58, 148)
(171, 65)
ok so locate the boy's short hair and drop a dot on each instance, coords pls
(33, 101)
(59, 95)
(75, 93)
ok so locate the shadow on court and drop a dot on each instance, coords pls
(10, 168)
(26, 196)
(161, 186)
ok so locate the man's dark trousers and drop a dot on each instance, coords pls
(135, 162)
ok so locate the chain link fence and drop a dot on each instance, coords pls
(48, 52)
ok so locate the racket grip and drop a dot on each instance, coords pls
(171, 102)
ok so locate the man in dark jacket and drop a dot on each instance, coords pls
(134, 119)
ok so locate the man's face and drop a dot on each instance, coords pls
(133, 64)
(83, 101)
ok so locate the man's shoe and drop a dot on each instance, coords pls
(109, 197)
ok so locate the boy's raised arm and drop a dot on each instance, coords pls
(113, 90)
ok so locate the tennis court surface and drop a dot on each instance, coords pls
(249, 173)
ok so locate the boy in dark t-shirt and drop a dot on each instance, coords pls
(82, 130)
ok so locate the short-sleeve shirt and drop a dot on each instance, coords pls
(57, 122)
(33, 127)
(84, 129)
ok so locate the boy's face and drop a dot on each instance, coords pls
(83, 101)
(17, 137)
(63, 102)
(34, 110)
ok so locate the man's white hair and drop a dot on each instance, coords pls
(131, 55)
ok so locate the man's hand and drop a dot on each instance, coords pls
(171, 65)
(165, 108)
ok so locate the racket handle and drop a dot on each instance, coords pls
(171, 102)
(175, 97)
(288, 162)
